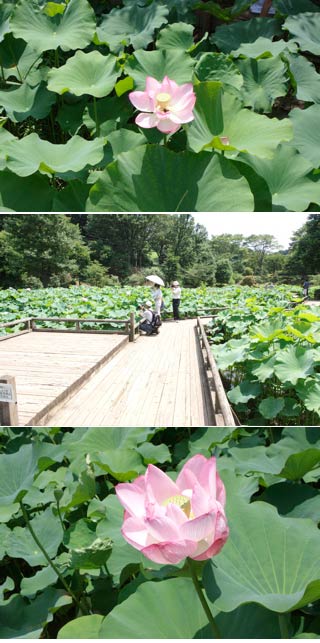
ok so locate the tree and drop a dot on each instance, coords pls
(40, 246)
(304, 251)
(224, 272)
(261, 244)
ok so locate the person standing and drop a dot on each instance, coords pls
(306, 286)
(176, 298)
(158, 298)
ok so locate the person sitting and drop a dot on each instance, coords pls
(146, 318)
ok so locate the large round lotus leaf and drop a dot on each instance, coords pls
(218, 66)
(17, 471)
(5, 13)
(84, 627)
(31, 153)
(74, 29)
(294, 500)
(85, 73)
(93, 440)
(175, 64)
(264, 47)
(30, 194)
(49, 532)
(292, 7)
(307, 132)
(268, 559)
(132, 25)
(244, 392)
(178, 35)
(141, 615)
(288, 178)
(305, 30)
(270, 407)
(208, 121)
(249, 132)
(293, 363)
(154, 179)
(21, 618)
(27, 101)
(230, 37)
(309, 393)
(263, 81)
(306, 78)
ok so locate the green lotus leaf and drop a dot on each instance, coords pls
(264, 369)
(27, 101)
(22, 618)
(84, 627)
(305, 30)
(288, 176)
(42, 579)
(306, 133)
(293, 363)
(85, 73)
(17, 472)
(263, 81)
(208, 121)
(31, 153)
(74, 29)
(298, 464)
(265, 48)
(199, 182)
(294, 500)
(268, 559)
(270, 407)
(292, 7)
(158, 64)
(230, 37)
(218, 66)
(30, 194)
(306, 78)
(309, 393)
(249, 132)
(5, 13)
(132, 25)
(178, 35)
(49, 532)
(244, 392)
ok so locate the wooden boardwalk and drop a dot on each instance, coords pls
(155, 381)
(49, 365)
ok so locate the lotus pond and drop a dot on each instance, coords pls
(67, 571)
(70, 141)
(266, 347)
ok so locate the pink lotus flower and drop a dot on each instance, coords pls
(168, 521)
(164, 105)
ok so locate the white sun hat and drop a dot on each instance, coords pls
(148, 303)
(175, 283)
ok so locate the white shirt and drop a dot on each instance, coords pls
(157, 296)
(176, 292)
(147, 315)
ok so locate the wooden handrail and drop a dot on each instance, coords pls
(15, 322)
(223, 402)
(130, 325)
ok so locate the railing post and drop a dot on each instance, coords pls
(78, 326)
(132, 325)
(33, 324)
(8, 401)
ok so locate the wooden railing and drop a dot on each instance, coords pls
(219, 399)
(8, 401)
(31, 324)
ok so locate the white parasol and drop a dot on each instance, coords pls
(155, 280)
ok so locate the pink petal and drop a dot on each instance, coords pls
(190, 472)
(162, 529)
(158, 485)
(198, 528)
(221, 492)
(132, 496)
(175, 513)
(185, 116)
(168, 86)
(152, 86)
(142, 101)
(166, 126)
(134, 532)
(146, 120)
(200, 501)
(173, 553)
(217, 541)
(183, 98)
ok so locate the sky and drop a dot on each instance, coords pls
(281, 225)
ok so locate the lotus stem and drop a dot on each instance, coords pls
(198, 588)
(283, 624)
(96, 116)
(47, 557)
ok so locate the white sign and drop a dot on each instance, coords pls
(7, 393)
